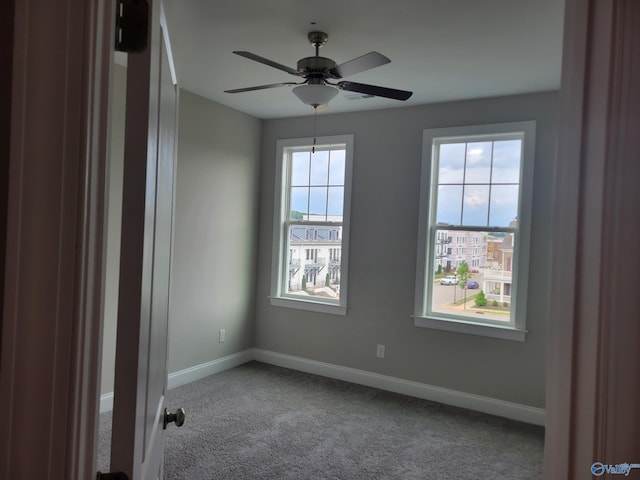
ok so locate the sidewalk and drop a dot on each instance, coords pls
(470, 307)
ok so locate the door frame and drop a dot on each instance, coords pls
(55, 230)
(592, 356)
(65, 444)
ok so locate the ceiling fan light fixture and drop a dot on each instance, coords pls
(315, 95)
(317, 70)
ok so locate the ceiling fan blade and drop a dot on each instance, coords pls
(374, 90)
(266, 61)
(359, 64)
(261, 87)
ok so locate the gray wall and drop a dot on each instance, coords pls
(215, 232)
(215, 237)
(221, 153)
(384, 221)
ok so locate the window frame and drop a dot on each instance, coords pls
(279, 297)
(423, 314)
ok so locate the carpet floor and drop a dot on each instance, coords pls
(259, 421)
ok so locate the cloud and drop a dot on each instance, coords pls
(475, 199)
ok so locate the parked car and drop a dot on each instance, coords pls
(471, 284)
(449, 280)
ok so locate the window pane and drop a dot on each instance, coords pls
(504, 205)
(449, 204)
(476, 205)
(313, 193)
(470, 190)
(451, 163)
(318, 203)
(320, 168)
(314, 261)
(336, 167)
(506, 161)
(300, 168)
(468, 266)
(299, 203)
(478, 166)
(297, 233)
(335, 204)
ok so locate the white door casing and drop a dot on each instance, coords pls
(592, 353)
(56, 62)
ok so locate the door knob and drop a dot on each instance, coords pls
(177, 417)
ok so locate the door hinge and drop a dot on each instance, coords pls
(112, 476)
(132, 25)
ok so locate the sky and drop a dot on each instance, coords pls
(317, 182)
(478, 183)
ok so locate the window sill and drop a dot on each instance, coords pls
(333, 309)
(471, 328)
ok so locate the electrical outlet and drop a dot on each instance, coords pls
(380, 352)
(222, 334)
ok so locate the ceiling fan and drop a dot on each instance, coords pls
(319, 72)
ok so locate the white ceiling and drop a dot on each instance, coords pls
(441, 50)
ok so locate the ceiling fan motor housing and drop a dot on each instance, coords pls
(315, 67)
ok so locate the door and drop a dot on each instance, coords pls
(145, 259)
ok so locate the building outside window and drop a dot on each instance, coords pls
(475, 225)
(311, 224)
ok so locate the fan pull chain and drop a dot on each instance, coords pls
(315, 125)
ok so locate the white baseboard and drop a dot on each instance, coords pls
(492, 406)
(106, 402)
(203, 370)
(192, 374)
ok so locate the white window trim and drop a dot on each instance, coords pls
(515, 330)
(278, 298)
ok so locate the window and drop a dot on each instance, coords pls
(311, 224)
(473, 246)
